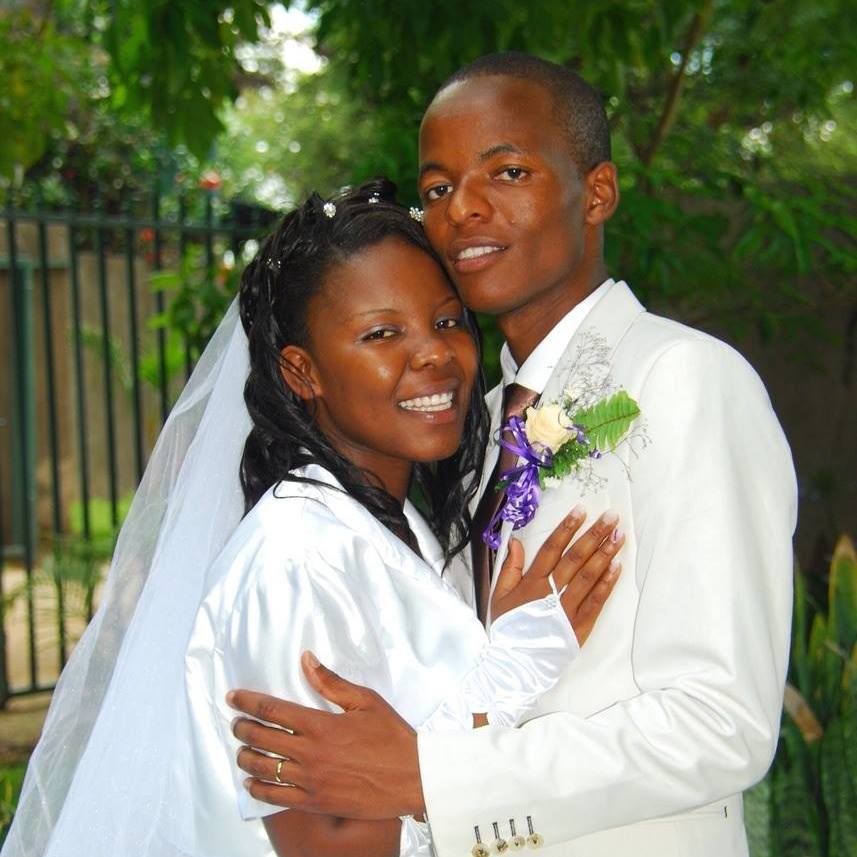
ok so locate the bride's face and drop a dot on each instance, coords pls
(389, 363)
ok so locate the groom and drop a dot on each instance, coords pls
(672, 709)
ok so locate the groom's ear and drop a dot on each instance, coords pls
(602, 193)
(298, 371)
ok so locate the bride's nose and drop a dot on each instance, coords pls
(433, 349)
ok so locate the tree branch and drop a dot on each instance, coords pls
(697, 27)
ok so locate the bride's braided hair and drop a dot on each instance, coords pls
(289, 269)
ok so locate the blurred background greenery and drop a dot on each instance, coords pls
(733, 126)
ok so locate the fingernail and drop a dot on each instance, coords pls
(610, 518)
(616, 536)
(230, 699)
(247, 783)
(311, 659)
(577, 512)
(614, 569)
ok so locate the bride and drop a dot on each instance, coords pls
(359, 374)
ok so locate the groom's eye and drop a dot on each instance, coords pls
(514, 174)
(435, 192)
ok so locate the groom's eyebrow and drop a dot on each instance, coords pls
(428, 166)
(499, 149)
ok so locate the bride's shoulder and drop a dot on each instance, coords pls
(312, 497)
(301, 537)
(305, 515)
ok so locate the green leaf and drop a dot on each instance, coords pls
(757, 818)
(839, 784)
(842, 597)
(800, 631)
(566, 459)
(608, 421)
(794, 827)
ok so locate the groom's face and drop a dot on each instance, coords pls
(504, 202)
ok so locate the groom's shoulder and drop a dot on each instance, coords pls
(663, 343)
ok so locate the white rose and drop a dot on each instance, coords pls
(548, 425)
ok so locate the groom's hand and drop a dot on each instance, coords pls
(362, 763)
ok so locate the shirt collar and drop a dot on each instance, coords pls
(536, 370)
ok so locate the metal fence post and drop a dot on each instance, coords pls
(24, 425)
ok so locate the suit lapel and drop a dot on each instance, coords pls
(605, 325)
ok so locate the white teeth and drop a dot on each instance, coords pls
(475, 252)
(436, 402)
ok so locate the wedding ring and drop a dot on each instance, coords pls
(279, 771)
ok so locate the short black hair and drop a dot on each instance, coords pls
(578, 107)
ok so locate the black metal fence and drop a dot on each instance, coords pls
(107, 312)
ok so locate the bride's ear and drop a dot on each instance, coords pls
(298, 372)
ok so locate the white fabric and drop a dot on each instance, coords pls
(535, 371)
(415, 838)
(529, 648)
(673, 706)
(137, 755)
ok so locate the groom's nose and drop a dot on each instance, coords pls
(467, 202)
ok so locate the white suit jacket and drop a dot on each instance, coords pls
(673, 708)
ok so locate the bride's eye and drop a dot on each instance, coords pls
(379, 334)
(449, 322)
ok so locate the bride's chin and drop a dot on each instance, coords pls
(439, 453)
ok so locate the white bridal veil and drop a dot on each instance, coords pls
(131, 656)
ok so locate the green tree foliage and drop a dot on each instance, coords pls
(153, 64)
(175, 62)
(37, 83)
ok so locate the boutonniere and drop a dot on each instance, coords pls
(554, 440)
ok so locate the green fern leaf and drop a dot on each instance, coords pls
(565, 460)
(608, 421)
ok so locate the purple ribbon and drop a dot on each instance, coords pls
(521, 482)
